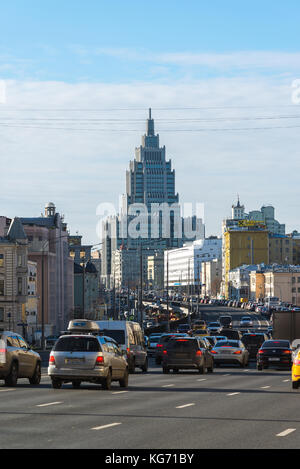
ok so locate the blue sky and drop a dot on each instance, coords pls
(96, 40)
(69, 66)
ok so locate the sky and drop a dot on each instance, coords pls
(77, 78)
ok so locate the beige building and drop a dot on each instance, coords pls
(211, 277)
(13, 274)
(283, 284)
(156, 271)
(31, 313)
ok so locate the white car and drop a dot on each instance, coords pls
(246, 321)
(230, 352)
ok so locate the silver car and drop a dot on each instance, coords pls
(17, 360)
(230, 352)
(95, 359)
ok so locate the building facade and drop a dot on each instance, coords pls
(13, 274)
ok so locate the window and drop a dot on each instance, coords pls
(1, 260)
(20, 289)
(1, 287)
(22, 343)
(1, 314)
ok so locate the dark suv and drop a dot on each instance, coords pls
(164, 338)
(277, 353)
(253, 342)
(187, 353)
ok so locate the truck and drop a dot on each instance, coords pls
(286, 325)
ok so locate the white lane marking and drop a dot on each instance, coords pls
(233, 394)
(49, 403)
(265, 387)
(106, 426)
(185, 405)
(285, 380)
(119, 392)
(201, 379)
(226, 375)
(7, 390)
(168, 385)
(286, 432)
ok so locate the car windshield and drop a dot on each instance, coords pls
(214, 324)
(276, 343)
(116, 334)
(77, 344)
(228, 343)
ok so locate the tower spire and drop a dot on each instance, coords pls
(150, 124)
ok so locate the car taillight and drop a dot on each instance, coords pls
(165, 352)
(287, 352)
(261, 351)
(51, 360)
(297, 362)
(99, 361)
(214, 352)
(158, 345)
(198, 353)
(238, 352)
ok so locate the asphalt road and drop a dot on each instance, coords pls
(231, 408)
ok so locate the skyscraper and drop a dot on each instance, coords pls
(150, 217)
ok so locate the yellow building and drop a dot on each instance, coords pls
(245, 246)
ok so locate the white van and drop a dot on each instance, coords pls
(130, 338)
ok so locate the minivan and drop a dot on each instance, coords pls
(130, 338)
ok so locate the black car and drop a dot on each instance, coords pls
(231, 333)
(253, 342)
(187, 353)
(276, 353)
(225, 321)
(164, 338)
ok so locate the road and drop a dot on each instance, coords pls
(231, 408)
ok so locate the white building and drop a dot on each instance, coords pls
(183, 265)
(211, 277)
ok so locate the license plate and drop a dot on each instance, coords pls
(73, 361)
(274, 359)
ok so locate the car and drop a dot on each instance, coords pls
(164, 338)
(17, 360)
(296, 370)
(246, 321)
(275, 353)
(50, 341)
(253, 341)
(185, 353)
(183, 328)
(87, 358)
(200, 332)
(231, 333)
(225, 320)
(130, 337)
(230, 352)
(153, 340)
(211, 340)
(214, 327)
(219, 337)
(199, 324)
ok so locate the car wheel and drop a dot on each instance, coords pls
(295, 384)
(56, 383)
(165, 370)
(12, 378)
(145, 366)
(202, 370)
(76, 384)
(107, 383)
(175, 370)
(36, 378)
(124, 381)
(259, 367)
